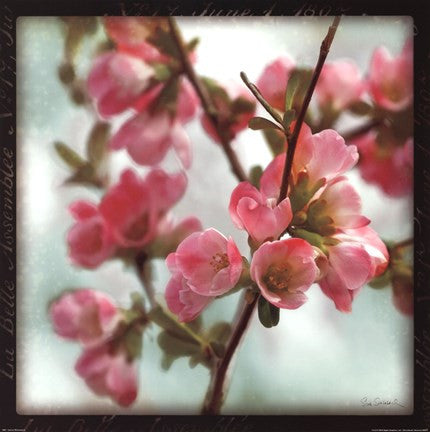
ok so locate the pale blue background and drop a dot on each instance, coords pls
(317, 361)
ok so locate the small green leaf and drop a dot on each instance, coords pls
(241, 106)
(133, 343)
(267, 313)
(97, 143)
(258, 123)
(275, 140)
(164, 41)
(288, 118)
(381, 281)
(69, 156)
(84, 174)
(255, 175)
(292, 87)
(219, 332)
(161, 71)
(192, 44)
(301, 79)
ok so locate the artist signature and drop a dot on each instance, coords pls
(378, 401)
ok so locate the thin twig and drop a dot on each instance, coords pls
(361, 130)
(215, 395)
(206, 101)
(292, 143)
(143, 271)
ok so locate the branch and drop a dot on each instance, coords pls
(144, 272)
(215, 394)
(361, 130)
(292, 142)
(206, 101)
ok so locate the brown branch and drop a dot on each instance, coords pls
(361, 130)
(215, 394)
(144, 272)
(292, 142)
(206, 101)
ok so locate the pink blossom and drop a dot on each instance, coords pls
(130, 34)
(134, 206)
(339, 205)
(180, 298)
(230, 121)
(389, 167)
(259, 215)
(284, 270)
(116, 81)
(322, 156)
(210, 263)
(273, 81)
(90, 240)
(147, 138)
(339, 85)
(84, 315)
(109, 373)
(391, 78)
(359, 256)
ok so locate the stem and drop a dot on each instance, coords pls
(206, 101)
(143, 271)
(361, 130)
(215, 394)
(292, 143)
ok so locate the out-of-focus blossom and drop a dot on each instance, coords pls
(339, 85)
(180, 298)
(403, 295)
(109, 373)
(258, 214)
(273, 81)
(134, 206)
(235, 107)
(284, 270)
(116, 81)
(390, 166)
(355, 257)
(84, 315)
(210, 263)
(391, 78)
(90, 240)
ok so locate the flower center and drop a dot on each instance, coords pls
(138, 228)
(219, 261)
(276, 277)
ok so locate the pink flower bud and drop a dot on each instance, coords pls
(391, 78)
(273, 81)
(339, 85)
(284, 270)
(90, 240)
(259, 215)
(116, 81)
(210, 263)
(109, 373)
(84, 315)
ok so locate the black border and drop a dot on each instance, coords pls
(10, 420)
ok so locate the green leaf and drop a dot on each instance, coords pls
(255, 175)
(85, 174)
(292, 87)
(133, 343)
(192, 44)
(288, 118)
(275, 140)
(219, 332)
(69, 156)
(360, 108)
(241, 106)
(215, 90)
(258, 123)
(164, 41)
(174, 348)
(96, 145)
(268, 314)
(168, 97)
(303, 78)
(381, 281)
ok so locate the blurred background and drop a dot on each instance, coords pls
(317, 360)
